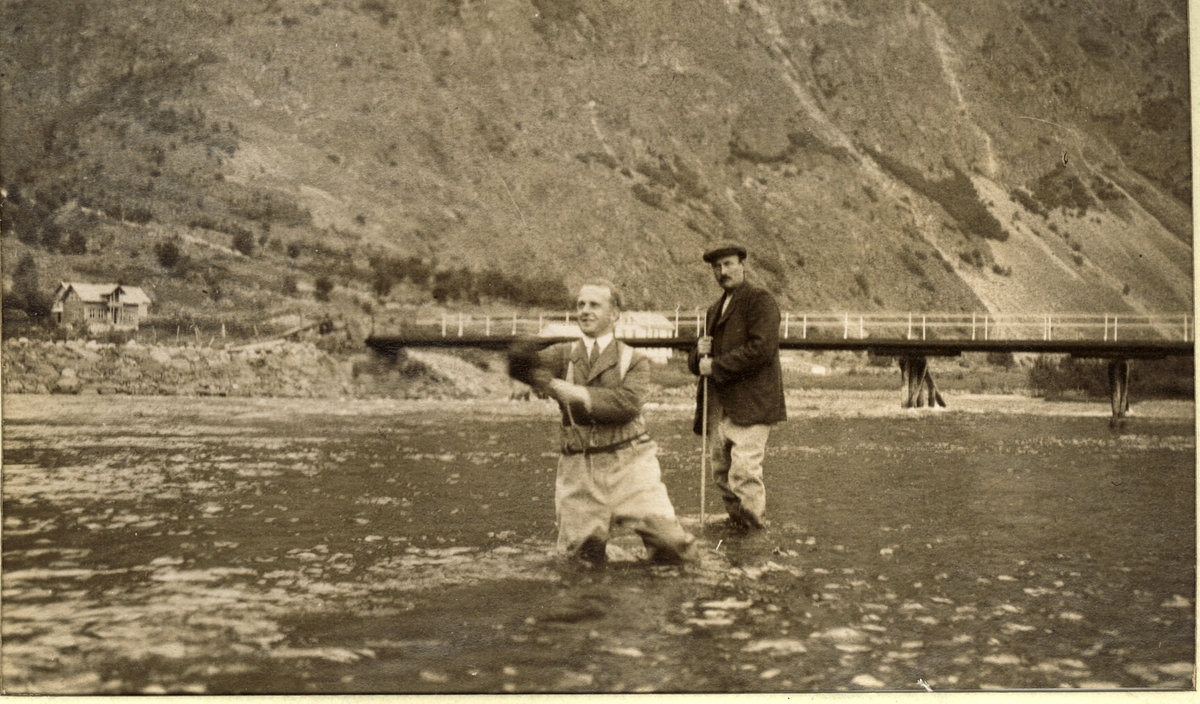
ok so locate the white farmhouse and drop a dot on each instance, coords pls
(99, 307)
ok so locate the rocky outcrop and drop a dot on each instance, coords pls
(298, 369)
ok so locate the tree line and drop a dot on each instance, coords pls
(461, 284)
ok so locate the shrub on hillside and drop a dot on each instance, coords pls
(480, 359)
(214, 279)
(1172, 377)
(417, 271)
(76, 243)
(389, 271)
(1105, 190)
(51, 236)
(974, 257)
(18, 217)
(265, 208)
(772, 266)
(1051, 377)
(167, 253)
(860, 279)
(454, 284)
(26, 294)
(547, 293)
(599, 158)
(322, 288)
(955, 193)
(647, 195)
(879, 360)
(911, 263)
(244, 242)
(225, 225)
(134, 214)
(1001, 359)
(688, 180)
(657, 173)
(1029, 202)
(462, 284)
(1060, 188)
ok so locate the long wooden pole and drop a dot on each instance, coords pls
(703, 432)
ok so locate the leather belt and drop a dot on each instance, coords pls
(607, 448)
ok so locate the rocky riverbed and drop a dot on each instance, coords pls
(285, 546)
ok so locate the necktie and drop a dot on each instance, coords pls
(595, 355)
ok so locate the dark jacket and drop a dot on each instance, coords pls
(746, 378)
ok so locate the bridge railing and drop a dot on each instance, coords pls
(835, 325)
(981, 326)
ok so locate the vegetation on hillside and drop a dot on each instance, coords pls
(339, 157)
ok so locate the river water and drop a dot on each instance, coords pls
(219, 545)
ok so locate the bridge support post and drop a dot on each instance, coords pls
(915, 382)
(1118, 387)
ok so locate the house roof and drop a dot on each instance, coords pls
(645, 319)
(134, 294)
(100, 293)
(632, 323)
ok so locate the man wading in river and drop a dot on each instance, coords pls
(608, 471)
(738, 360)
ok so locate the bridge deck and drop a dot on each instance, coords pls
(1133, 349)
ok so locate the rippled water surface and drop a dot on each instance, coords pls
(254, 545)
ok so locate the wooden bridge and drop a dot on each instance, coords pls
(911, 338)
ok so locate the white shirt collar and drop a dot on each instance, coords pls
(604, 341)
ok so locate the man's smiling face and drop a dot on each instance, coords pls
(595, 310)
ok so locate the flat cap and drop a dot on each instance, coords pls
(723, 250)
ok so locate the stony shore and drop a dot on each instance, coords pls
(277, 369)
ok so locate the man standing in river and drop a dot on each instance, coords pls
(608, 470)
(738, 359)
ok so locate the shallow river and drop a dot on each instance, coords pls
(220, 545)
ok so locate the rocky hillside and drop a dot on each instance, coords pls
(288, 370)
(287, 155)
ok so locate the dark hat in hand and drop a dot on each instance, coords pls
(524, 364)
(724, 250)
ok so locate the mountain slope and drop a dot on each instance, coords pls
(940, 155)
